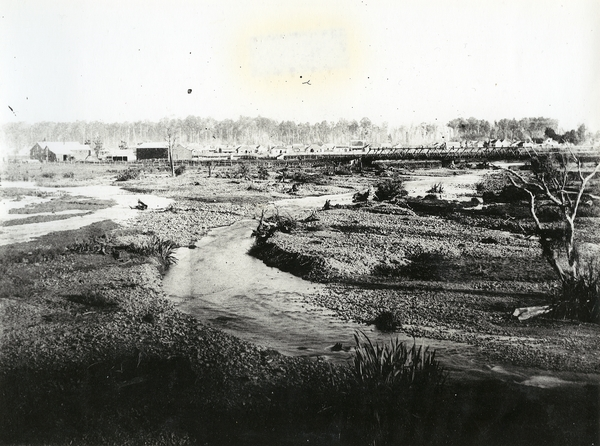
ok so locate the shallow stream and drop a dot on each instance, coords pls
(219, 283)
(120, 212)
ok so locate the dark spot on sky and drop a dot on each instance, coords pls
(189, 91)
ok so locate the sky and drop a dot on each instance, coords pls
(401, 62)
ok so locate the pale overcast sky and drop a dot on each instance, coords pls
(396, 61)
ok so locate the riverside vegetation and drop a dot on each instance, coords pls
(92, 352)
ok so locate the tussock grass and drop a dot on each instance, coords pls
(394, 385)
(163, 250)
(579, 297)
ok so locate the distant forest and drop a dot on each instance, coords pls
(259, 130)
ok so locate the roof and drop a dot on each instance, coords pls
(118, 152)
(153, 145)
(63, 148)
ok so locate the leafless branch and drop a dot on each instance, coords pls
(584, 181)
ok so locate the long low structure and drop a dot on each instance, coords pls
(60, 151)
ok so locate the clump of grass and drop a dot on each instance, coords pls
(180, 170)
(387, 321)
(99, 245)
(579, 296)
(394, 366)
(128, 174)
(437, 188)
(393, 385)
(48, 174)
(389, 189)
(69, 175)
(163, 250)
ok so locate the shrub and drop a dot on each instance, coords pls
(242, 171)
(263, 172)
(180, 170)
(343, 170)
(387, 321)
(48, 175)
(69, 175)
(510, 194)
(437, 188)
(579, 296)
(389, 189)
(128, 174)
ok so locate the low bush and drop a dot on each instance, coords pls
(48, 174)
(263, 172)
(180, 170)
(437, 188)
(69, 175)
(389, 189)
(242, 171)
(128, 174)
(511, 194)
(343, 170)
(387, 321)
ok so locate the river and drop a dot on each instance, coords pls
(220, 284)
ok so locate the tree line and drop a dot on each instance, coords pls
(526, 129)
(266, 131)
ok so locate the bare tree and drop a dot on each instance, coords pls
(171, 139)
(556, 181)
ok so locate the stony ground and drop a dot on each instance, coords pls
(92, 353)
(444, 280)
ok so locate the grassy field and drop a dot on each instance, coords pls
(61, 174)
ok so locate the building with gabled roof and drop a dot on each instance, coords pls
(160, 150)
(50, 151)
